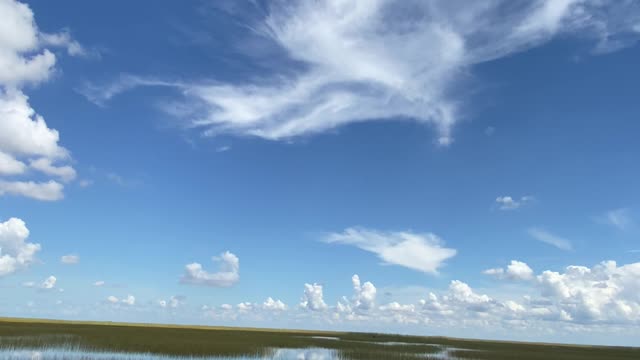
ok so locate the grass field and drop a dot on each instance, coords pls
(192, 341)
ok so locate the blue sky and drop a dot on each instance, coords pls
(474, 165)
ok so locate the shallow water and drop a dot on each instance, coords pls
(79, 354)
(41, 348)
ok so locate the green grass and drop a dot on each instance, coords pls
(207, 341)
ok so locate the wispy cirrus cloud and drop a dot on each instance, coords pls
(619, 218)
(549, 238)
(358, 61)
(509, 203)
(70, 259)
(421, 252)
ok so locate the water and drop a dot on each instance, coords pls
(80, 354)
(69, 348)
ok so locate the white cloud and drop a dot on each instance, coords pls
(129, 300)
(605, 292)
(173, 302)
(422, 252)
(228, 274)
(45, 191)
(99, 283)
(274, 305)
(15, 252)
(463, 293)
(24, 135)
(245, 307)
(70, 259)
(605, 297)
(312, 299)
(354, 61)
(508, 203)
(516, 270)
(23, 56)
(66, 173)
(18, 37)
(10, 165)
(49, 283)
(361, 304)
(549, 238)
(547, 17)
(64, 39)
(365, 294)
(618, 218)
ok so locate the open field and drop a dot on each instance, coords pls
(200, 341)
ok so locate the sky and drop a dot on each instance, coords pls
(419, 167)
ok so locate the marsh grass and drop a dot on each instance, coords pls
(198, 341)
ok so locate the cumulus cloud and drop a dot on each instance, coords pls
(70, 259)
(24, 135)
(360, 61)
(15, 252)
(312, 298)
(579, 298)
(99, 283)
(228, 274)
(10, 166)
(509, 203)
(248, 311)
(360, 305)
(516, 270)
(49, 283)
(549, 238)
(129, 300)
(422, 252)
(45, 191)
(173, 302)
(18, 38)
(274, 305)
(66, 173)
(605, 292)
(364, 294)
